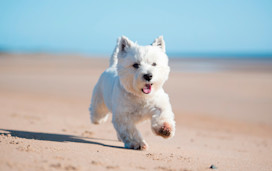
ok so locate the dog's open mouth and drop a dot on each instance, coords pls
(147, 88)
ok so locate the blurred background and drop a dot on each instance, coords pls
(52, 53)
(191, 28)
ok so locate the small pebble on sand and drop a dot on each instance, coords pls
(213, 167)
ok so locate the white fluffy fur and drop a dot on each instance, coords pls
(119, 91)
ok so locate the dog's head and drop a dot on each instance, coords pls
(142, 69)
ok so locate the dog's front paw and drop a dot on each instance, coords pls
(166, 130)
(137, 146)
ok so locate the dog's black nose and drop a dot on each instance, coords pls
(147, 77)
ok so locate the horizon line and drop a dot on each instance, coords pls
(172, 54)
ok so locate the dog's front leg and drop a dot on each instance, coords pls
(128, 133)
(162, 121)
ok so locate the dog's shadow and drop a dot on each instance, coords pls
(56, 137)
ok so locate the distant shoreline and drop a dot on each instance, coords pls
(204, 55)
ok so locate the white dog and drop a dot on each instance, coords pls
(131, 89)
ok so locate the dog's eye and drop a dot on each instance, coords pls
(136, 66)
(154, 64)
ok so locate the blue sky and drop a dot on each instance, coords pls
(92, 27)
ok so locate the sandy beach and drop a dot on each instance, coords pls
(223, 110)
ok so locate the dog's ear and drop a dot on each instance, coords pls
(160, 43)
(124, 44)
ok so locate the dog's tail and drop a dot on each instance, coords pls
(114, 59)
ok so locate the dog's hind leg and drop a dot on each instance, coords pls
(128, 133)
(98, 110)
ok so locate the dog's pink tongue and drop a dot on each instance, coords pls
(147, 89)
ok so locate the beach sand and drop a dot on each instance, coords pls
(223, 111)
